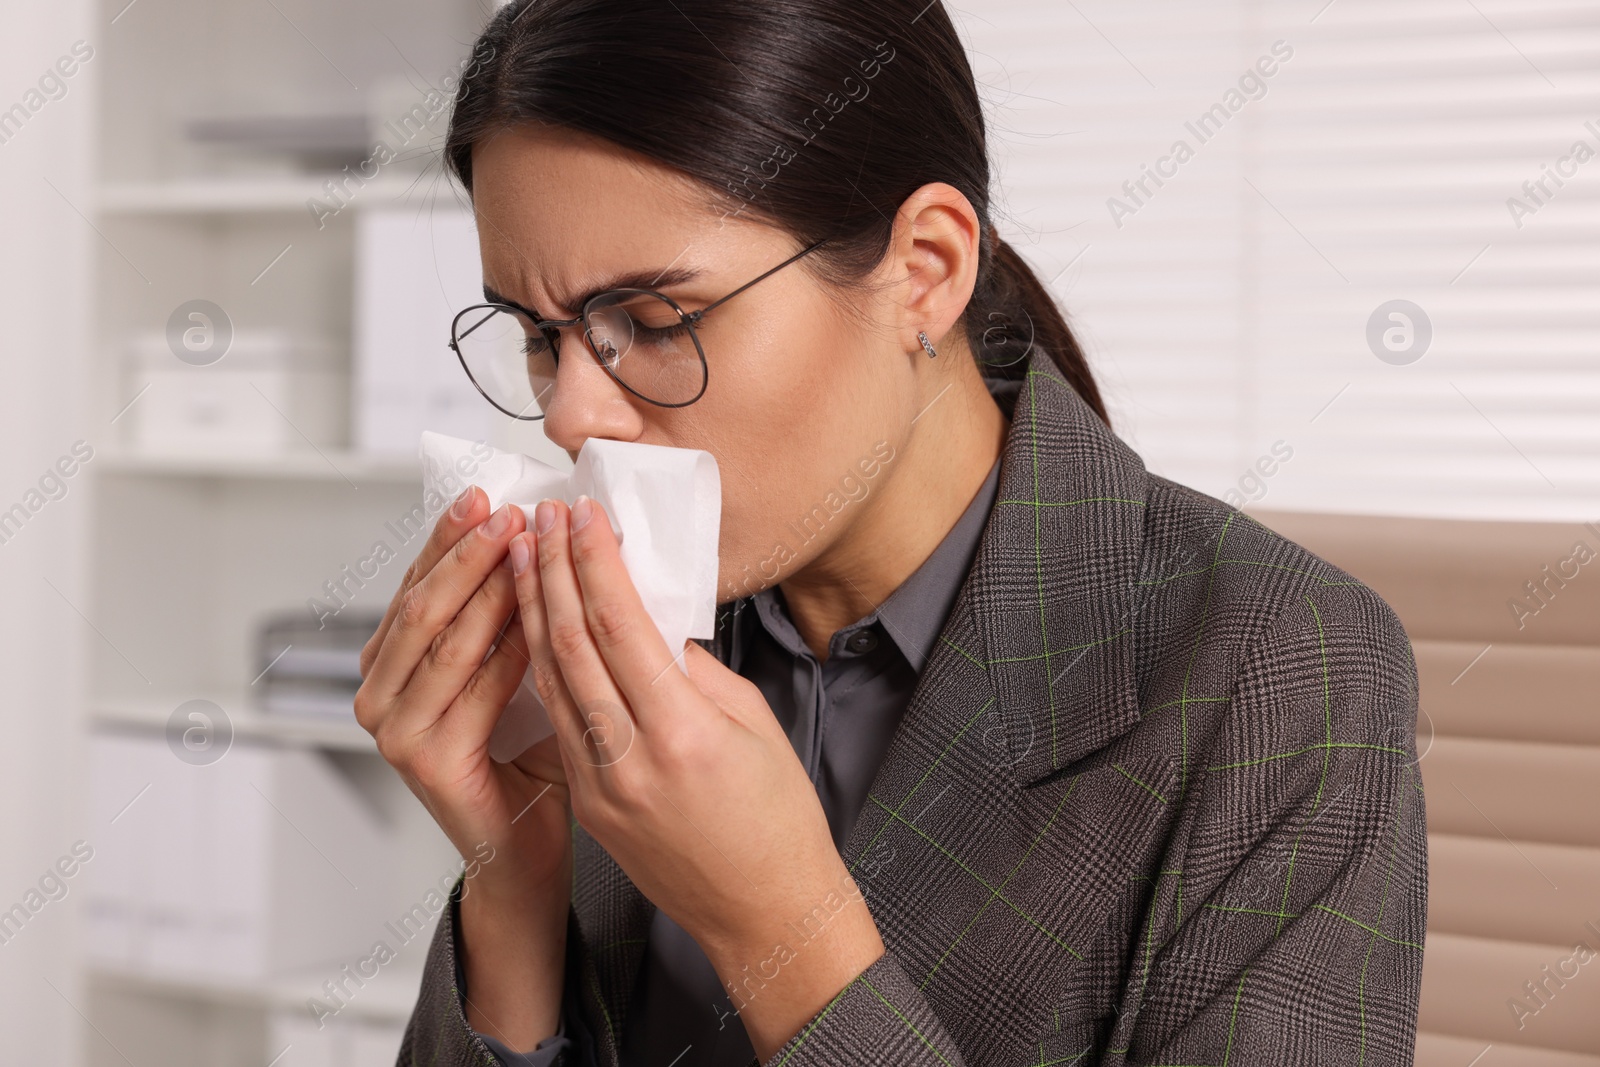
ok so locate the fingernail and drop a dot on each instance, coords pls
(499, 522)
(519, 554)
(582, 508)
(544, 517)
(462, 505)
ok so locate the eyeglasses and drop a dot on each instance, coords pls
(642, 339)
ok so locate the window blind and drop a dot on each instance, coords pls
(1353, 244)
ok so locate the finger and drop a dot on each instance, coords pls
(628, 640)
(549, 686)
(458, 652)
(433, 602)
(465, 512)
(712, 677)
(583, 669)
(546, 760)
(594, 731)
(738, 697)
(469, 721)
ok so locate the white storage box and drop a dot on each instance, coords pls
(271, 393)
(265, 862)
(294, 1035)
(413, 273)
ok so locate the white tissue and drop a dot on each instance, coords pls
(665, 505)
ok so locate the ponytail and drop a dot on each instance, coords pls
(1012, 313)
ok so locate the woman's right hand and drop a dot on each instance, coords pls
(430, 700)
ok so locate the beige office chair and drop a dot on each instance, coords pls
(1510, 728)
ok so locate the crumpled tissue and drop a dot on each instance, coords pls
(665, 505)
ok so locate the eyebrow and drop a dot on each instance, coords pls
(658, 278)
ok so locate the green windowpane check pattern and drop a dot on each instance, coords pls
(1154, 802)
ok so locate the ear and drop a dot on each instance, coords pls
(934, 259)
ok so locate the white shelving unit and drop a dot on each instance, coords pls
(334, 465)
(190, 549)
(387, 997)
(151, 713)
(245, 195)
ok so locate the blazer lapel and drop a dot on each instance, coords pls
(1048, 605)
(985, 868)
(1052, 589)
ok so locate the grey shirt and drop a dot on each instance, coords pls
(840, 717)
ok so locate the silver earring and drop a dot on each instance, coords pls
(927, 345)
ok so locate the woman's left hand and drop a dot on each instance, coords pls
(689, 782)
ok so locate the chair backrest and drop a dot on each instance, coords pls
(1504, 619)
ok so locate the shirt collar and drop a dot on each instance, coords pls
(915, 612)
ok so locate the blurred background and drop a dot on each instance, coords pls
(1336, 262)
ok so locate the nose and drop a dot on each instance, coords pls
(587, 402)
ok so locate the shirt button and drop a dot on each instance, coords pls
(862, 641)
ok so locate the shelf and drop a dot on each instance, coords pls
(327, 465)
(152, 713)
(389, 995)
(288, 193)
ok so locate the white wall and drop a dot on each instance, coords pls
(44, 184)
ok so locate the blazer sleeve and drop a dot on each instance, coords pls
(1293, 932)
(881, 1017)
(438, 1034)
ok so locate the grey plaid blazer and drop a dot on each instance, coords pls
(1154, 801)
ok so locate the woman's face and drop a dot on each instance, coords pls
(802, 400)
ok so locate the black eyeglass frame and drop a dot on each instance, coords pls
(551, 328)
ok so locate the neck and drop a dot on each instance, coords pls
(938, 468)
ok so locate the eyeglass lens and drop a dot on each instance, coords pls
(640, 338)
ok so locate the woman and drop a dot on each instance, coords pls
(1007, 751)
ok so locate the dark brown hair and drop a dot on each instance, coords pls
(820, 117)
